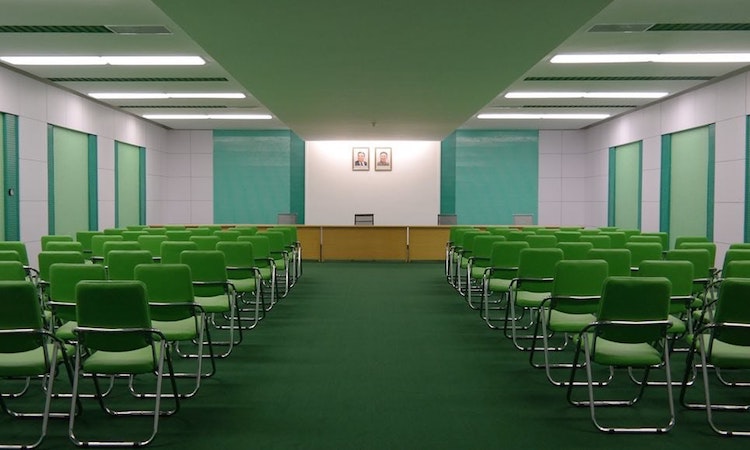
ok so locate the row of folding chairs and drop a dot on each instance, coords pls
(126, 316)
(582, 320)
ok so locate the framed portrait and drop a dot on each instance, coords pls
(383, 158)
(361, 158)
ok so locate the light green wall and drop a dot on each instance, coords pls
(68, 156)
(128, 184)
(2, 173)
(627, 186)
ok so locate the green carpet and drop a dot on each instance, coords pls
(384, 356)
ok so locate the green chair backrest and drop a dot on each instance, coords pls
(288, 236)
(12, 271)
(84, 237)
(118, 245)
(456, 234)
(132, 235)
(46, 259)
(121, 263)
(618, 260)
(547, 231)
(239, 258)
(227, 235)
(18, 247)
(629, 232)
(20, 306)
(682, 239)
(500, 231)
(590, 231)
(608, 229)
(171, 250)
(679, 274)
(178, 235)
(201, 231)
(505, 257)
(710, 246)
(541, 241)
(483, 248)
(156, 230)
(740, 246)
(643, 251)
(54, 238)
(578, 278)
(647, 238)
(135, 227)
(63, 279)
(634, 299)
(576, 228)
(9, 255)
(737, 269)
(568, 236)
(700, 258)
(734, 255)
(664, 236)
(65, 246)
(575, 250)
(519, 235)
(98, 241)
(206, 242)
(168, 284)
(732, 306)
(175, 227)
(467, 244)
(247, 230)
(276, 242)
(152, 243)
(113, 305)
(114, 231)
(206, 266)
(597, 241)
(617, 238)
(538, 263)
(261, 248)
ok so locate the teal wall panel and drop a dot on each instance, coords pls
(627, 186)
(68, 162)
(497, 175)
(448, 175)
(297, 177)
(10, 222)
(254, 176)
(127, 185)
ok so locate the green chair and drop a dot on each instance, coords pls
(227, 235)
(247, 230)
(618, 260)
(710, 246)
(497, 278)
(85, 238)
(643, 251)
(206, 242)
(161, 231)
(171, 250)
(10, 255)
(724, 346)
(215, 294)
(701, 259)
(547, 231)
(61, 294)
(466, 252)
(663, 236)
(133, 235)
(266, 266)
(152, 244)
(97, 246)
(568, 236)
(598, 241)
(245, 277)
(618, 239)
(282, 260)
(27, 350)
(629, 232)
(630, 332)
(453, 252)
(519, 235)
(178, 235)
(20, 248)
(590, 231)
(541, 241)
(65, 246)
(293, 247)
(679, 240)
(115, 337)
(12, 271)
(478, 263)
(174, 312)
(175, 227)
(54, 238)
(200, 231)
(121, 264)
(536, 270)
(573, 301)
(114, 231)
(646, 238)
(135, 227)
(739, 246)
(575, 250)
(608, 229)
(737, 269)
(111, 246)
(46, 259)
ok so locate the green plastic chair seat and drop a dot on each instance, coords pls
(499, 284)
(176, 330)
(213, 303)
(729, 356)
(618, 354)
(65, 331)
(563, 322)
(30, 362)
(677, 326)
(531, 299)
(244, 284)
(136, 361)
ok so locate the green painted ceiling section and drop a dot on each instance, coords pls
(329, 69)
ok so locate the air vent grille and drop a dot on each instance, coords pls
(700, 27)
(139, 29)
(578, 106)
(620, 27)
(174, 106)
(54, 29)
(624, 78)
(137, 79)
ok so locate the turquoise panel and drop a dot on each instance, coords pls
(297, 176)
(497, 175)
(127, 185)
(448, 175)
(12, 221)
(69, 183)
(252, 176)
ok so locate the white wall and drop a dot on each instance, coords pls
(409, 194)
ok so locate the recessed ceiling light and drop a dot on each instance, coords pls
(652, 57)
(586, 94)
(208, 116)
(103, 60)
(542, 116)
(160, 95)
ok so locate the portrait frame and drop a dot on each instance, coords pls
(378, 159)
(356, 160)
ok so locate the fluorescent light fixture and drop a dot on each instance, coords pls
(652, 57)
(586, 94)
(543, 116)
(208, 116)
(103, 60)
(161, 95)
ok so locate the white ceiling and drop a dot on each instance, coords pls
(393, 69)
